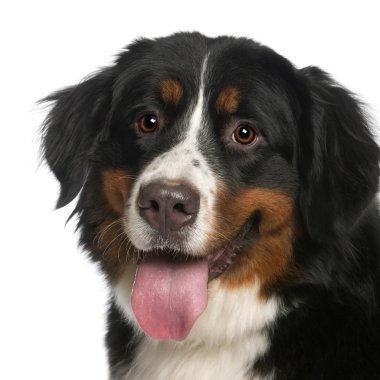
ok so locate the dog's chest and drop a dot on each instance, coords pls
(176, 361)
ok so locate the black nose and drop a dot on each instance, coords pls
(168, 206)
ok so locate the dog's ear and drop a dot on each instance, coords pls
(72, 128)
(338, 159)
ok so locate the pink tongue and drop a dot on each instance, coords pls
(168, 296)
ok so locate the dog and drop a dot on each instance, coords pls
(230, 200)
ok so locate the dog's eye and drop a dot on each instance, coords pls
(244, 134)
(148, 123)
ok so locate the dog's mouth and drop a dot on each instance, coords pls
(170, 290)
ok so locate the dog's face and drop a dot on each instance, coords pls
(202, 161)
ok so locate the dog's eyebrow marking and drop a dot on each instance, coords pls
(171, 91)
(228, 100)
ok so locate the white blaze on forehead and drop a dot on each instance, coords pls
(182, 163)
(195, 121)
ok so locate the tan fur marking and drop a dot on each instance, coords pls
(171, 91)
(110, 238)
(228, 100)
(115, 247)
(116, 186)
(269, 259)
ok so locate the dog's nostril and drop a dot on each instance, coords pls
(154, 205)
(180, 207)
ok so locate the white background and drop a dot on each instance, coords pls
(52, 300)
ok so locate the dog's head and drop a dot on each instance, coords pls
(203, 160)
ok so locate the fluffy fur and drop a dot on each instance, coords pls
(293, 213)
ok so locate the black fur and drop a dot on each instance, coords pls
(120, 340)
(338, 159)
(77, 120)
(319, 149)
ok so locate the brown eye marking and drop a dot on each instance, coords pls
(228, 100)
(148, 123)
(171, 91)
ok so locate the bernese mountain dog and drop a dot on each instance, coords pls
(230, 200)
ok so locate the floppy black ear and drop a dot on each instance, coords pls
(338, 158)
(71, 129)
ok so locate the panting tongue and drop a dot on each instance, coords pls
(168, 296)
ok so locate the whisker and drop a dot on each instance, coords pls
(127, 176)
(128, 247)
(100, 234)
(109, 244)
(121, 244)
